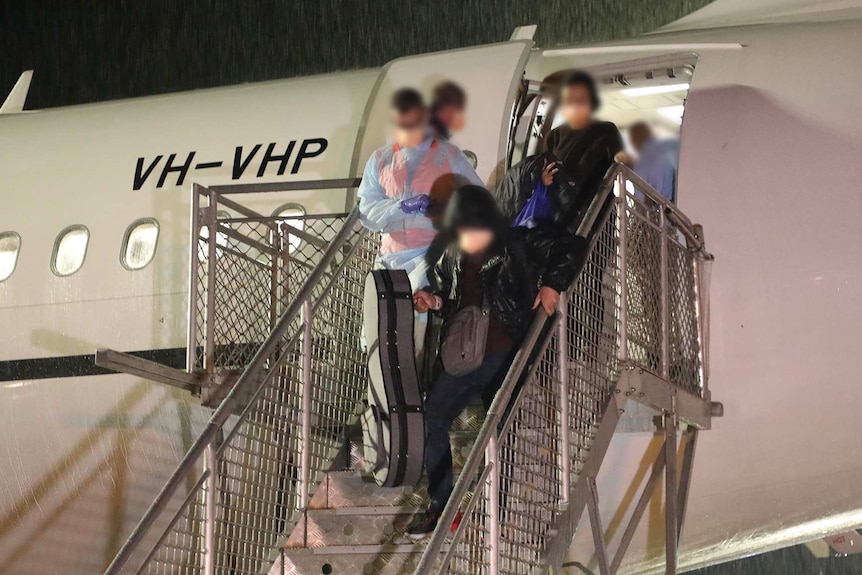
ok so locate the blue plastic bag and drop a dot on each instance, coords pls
(537, 210)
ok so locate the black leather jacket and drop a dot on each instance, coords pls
(517, 186)
(521, 262)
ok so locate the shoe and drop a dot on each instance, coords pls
(456, 523)
(423, 525)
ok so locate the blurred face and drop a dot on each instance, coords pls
(410, 127)
(638, 136)
(474, 240)
(576, 106)
(452, 117)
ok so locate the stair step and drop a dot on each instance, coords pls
(332, 527)
(367, 510)
(352, 560)
(376, 549)
(349, 489)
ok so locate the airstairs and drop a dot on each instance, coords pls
(274, 483)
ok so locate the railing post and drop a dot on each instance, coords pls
(306, 345)
(194, 264)
(274, 267)
(210, 511)
(622, 222)
(286, 285)
(212, 255)
(563, 366)
(664, 296)
(697, 262)
(492, 458)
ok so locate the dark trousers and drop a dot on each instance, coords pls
(446, 400)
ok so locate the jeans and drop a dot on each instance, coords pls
(447, 399)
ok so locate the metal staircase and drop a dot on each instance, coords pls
(274, 483)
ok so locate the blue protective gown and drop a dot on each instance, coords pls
(394, 174)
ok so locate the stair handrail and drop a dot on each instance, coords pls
(234, 399)
(682, 222)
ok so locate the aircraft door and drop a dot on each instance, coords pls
(490, 76)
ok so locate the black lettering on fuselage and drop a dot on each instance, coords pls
(242, 160)
(182, 169)
(282, 159)
(240, 164)
(304, 153)
(141, 175)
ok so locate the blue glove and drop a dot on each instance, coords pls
(416, 205)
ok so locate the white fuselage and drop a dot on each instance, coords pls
(771, 165)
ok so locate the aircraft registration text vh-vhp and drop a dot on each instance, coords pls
(172, 169)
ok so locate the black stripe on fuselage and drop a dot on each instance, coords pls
(81, 365)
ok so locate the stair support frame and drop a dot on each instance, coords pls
(585, 493)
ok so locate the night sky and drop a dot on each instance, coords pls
(94, 50)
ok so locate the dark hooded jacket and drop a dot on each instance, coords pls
(516, 188)
(519, 262)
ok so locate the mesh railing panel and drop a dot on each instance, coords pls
(646, 231)
(643, 282)
(594, 360)
(258, 485)
(472, 553)
(684, 359)
(181, 550)
(530, 480)
(259, 266)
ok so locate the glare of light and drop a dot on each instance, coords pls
(17, 384)
(672, 113)
(650, 90)
(744, 544)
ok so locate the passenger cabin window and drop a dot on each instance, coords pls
(472, 158)
(10, 245)
(292, 215)
(70, 249)
(139, 244)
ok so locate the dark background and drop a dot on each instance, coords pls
(93, 50)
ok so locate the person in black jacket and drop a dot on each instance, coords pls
(512, 271)
(584, 145)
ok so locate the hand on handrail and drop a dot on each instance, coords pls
(548, 298)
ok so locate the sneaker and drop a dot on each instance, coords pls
(422, 525)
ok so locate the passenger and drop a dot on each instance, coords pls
(398, 184)
(448, 105)
(511, 271)
(585, 146)
(656, 159)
